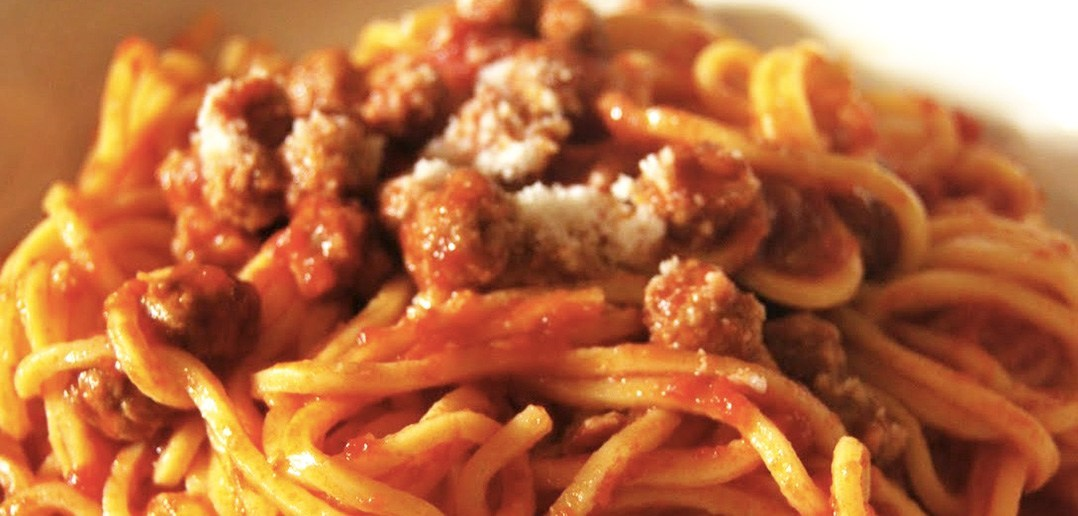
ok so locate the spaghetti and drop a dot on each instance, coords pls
(511, 257)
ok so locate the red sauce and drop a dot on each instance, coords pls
(90, 480)
(327, 246)
(843, 116)
(457, 236)
(715, 397)
(312, 275)
(461, 48)
(410, 473)
(556, 319)
(1054, 248)
(807, 237)
(969, 128)
(364, 447)
(181, 181)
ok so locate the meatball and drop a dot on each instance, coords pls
(570, 23)
(330, 155)
(693, 305)
(517, 119)
(324, 80)
(407, 98)
(240, 124)
(805, 346)
(180, 177)
(699, 191)
(457, 236)
(106, 399)
(809, 349)
(204, 310)
(461, 47)
(330, 246)
(201, 238)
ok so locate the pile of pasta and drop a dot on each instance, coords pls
(511, 256)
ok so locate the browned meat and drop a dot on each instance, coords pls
(548, 232)
(809, 349)
(807, 237)
(330, 155)
(407, 98)
(876, 230)
(699, 191)
(180, 177)
(517, 119)
(204, 310)
(329, 246)
(324, 80)
(106, 399)
(457, 236)
(460, 47)
(806, 346)
(201, 238)
(240, 124)
(693, 305)
(569, 23)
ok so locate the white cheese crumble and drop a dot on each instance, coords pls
(584, 228)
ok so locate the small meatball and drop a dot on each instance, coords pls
(807, 236)
(873, 223)
(252, 107)
(459, 235)
(240, 124)
(203, 310)
(324, 80)
(516, 121)
(459, 48)
(180, 178)
(330, 155)
(201, 238)
(699, 191)
(809, 349)
(805, 346)
(407, 98)
(248, 190)
(106, 399)
(569, 23)
(329, 247)
(398, 196)
(692, 305)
